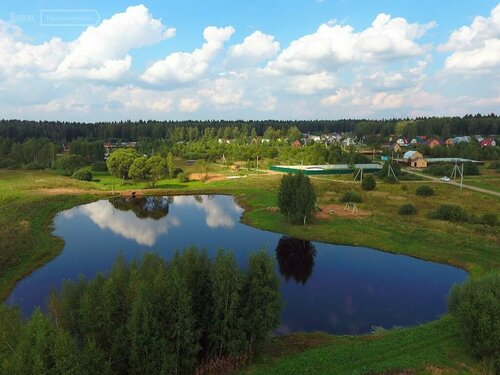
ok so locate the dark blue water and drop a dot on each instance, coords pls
(332, 288)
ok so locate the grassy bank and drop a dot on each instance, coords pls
(29, 201)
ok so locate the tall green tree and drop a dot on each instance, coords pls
(296, 198)
(262, 300)
(227, 330)
(120, 161)
(157, 168)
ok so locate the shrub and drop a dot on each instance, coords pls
(471, 169)
(368, 183)
(476, 304)
(390, 179)
(494, 165)
(449, 212)
(176, 173)
(407, 209)
(5, 163)
(489, 219)
(440, 169)
(33, 167)
(424, 191)
(183, 177)
(351, 197)
(100, 166)
(83, 175)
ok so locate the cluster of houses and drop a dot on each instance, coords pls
(109, 147)
(433, 142)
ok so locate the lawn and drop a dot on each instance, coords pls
(28, 205)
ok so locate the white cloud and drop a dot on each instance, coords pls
(189, 104)
(124, 223)
(255, 48)
(183, 67)
(475, 48)
(223, 92)
(132, 97)
(101, 52)
(311, 83)
(333, 46)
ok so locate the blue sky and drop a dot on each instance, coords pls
(300, 59)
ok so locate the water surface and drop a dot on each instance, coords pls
(333, 288)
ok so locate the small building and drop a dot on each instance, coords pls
(296, 144)
(488, 142)
(433, 143)
(415, 159)
(396, 147)
(449, 142)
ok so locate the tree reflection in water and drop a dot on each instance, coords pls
(295, 258)
(146, 207)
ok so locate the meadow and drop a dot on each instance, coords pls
(29, 200)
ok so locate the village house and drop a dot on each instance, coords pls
(414, 159)
(433, 143)
(488, 142)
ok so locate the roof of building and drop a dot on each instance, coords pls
(409, 154)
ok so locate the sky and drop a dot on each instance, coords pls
(254, 59)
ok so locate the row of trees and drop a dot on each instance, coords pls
(152, 317)
(126, 163)
(175, 131)
(35, 151)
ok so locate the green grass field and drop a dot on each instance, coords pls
(29, 201)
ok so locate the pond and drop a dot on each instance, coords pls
(331, 288)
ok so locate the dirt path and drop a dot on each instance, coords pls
(71, 191)
(436, 179)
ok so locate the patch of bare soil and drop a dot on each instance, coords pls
(207, 177)
(331, 210)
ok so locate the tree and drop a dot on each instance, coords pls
(70, 163)
(262, 304)
(296, 198)
(170, 165)
(138, 170)
(120, 161)
(368, 183)
(157, 168)
(227, 334)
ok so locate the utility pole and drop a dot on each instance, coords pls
(257, 162)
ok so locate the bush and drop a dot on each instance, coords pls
(83, 175)
(407, 209)
(449, 212)
(476, 305)
(471, 169)
(100, 166)
(494, 165)
(440, 169)
(390, 179)
(424, 191)
(183, 177)
(351, 197)
(6, 163)
(33, 167)
(368, 183)
(489, 219)
(177, 172)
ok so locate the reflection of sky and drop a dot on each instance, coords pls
(216, 214)
(350, 289)
(124, 223)
(146, 231)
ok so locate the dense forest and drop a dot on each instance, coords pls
(175, 131)
(149, 317)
